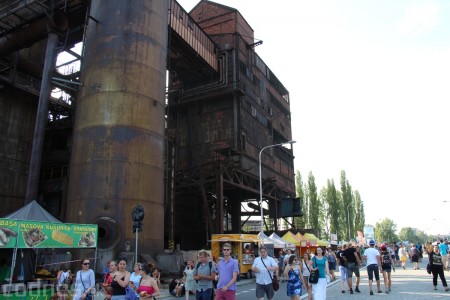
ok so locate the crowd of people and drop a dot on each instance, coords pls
(216, 279)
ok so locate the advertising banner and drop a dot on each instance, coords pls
(32, 234)
(8, 233)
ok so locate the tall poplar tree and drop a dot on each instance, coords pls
(314, 204)
(360, 218)
(299, 222)
(333, 206)
(324, 215)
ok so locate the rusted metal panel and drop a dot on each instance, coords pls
(185, 26)
(17, 115)
(118, 146)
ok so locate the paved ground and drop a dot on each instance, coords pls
(406, 284)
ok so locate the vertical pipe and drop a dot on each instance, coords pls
(41, 119)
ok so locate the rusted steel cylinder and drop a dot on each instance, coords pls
(38, 30)
(118, 145)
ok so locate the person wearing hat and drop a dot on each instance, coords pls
(372, 257)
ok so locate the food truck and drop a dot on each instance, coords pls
(244, 249)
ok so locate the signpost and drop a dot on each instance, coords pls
(138, 216)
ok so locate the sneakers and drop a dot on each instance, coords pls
(446, 289)
(343, 292)
(371, 293)
(351, 291)
(387, 291)
(435, 288)
(357, 290)
(380, 291)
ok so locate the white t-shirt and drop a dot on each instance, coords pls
(263, 277)
(371, 255)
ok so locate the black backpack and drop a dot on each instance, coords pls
(386, 259)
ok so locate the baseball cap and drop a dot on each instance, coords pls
(372, 242)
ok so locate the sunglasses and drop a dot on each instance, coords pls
(226, 249)
(86, 264)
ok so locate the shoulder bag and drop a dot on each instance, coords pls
(275, 283)
(313, 274)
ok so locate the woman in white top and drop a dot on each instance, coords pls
(84, 281)
(306, 268)
(190, 283)
(135, 277)
(64, 277)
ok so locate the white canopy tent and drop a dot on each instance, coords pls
(280, 243)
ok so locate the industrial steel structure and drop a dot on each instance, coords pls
(162, 108)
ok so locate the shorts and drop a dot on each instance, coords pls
(266, 289)
(387, 269)
(343, 272)
(415, 258)
(352, 268)
(332, 265)
(373, 269)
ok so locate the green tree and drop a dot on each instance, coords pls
(407, 234)
(314, 204)
(306, 214)
(360, 218)
(324, 215)
(347, 203)
(333, 202)
(299, 222)
(385, 231)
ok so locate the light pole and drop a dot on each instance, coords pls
(260, 185)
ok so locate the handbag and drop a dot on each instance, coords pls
(130, 294)
(313, 275)
(275, 283)
(428, 268)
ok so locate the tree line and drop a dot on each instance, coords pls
(330, 210)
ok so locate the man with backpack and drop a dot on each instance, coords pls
(204, 273)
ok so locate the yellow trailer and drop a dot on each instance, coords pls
(244, 249)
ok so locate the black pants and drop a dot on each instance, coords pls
(435, 270)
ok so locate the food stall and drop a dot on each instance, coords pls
(244, 249)
(26, 237)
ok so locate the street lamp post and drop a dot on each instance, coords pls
(260, 185)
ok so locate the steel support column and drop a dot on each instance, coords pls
(41, 119)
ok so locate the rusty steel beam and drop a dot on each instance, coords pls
(41, 119)
(36, 31)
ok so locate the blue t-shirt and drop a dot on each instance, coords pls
(226, 270)
(443, 249)
(320, 263)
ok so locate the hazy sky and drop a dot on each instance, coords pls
(369, 87)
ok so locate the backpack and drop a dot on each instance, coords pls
(386, 259)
